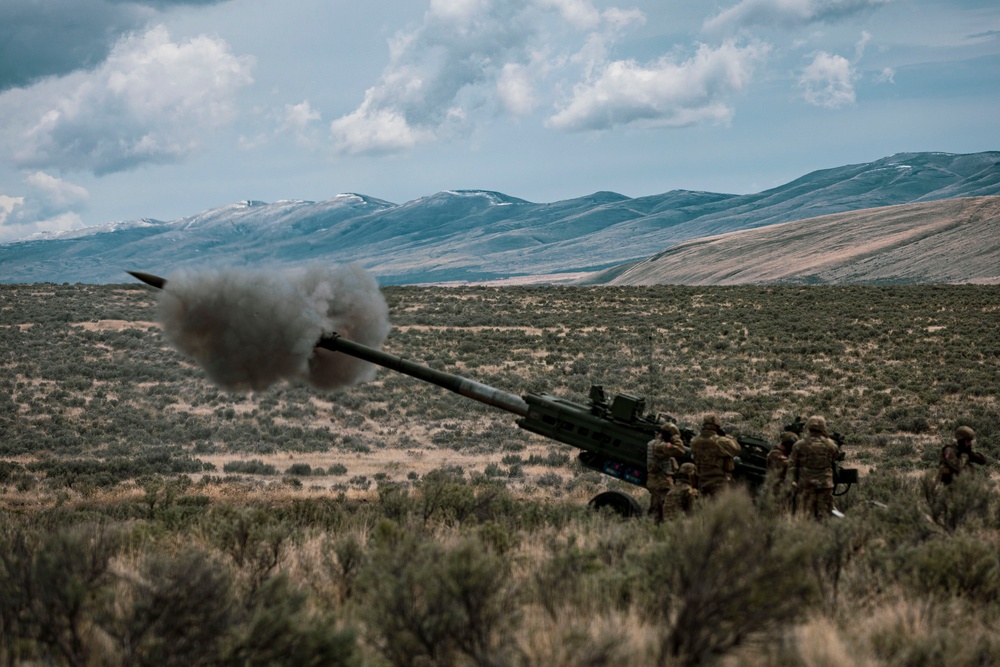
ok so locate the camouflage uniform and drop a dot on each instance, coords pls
(777, 469)
(958, 456)
(661, 454)
(811, 465)
(713, 455)
(683, 495)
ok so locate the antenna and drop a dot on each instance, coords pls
(651, 339)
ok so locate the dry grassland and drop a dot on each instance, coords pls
(893, 369)
(395, 510)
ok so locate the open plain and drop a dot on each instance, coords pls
(396, 523)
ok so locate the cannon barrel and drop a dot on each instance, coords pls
(149, 279)
(456, 383)
(610, 432)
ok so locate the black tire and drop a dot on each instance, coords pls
(620, 503)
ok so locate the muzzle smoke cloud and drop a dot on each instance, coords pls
(249, 329)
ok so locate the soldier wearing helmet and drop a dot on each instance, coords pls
(777, 458)
(958, 456)
(713, 453)
(683, 494)
(811, 466)
(661, 462)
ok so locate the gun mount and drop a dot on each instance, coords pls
(611, 433)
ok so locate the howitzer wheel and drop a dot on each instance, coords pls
(620, 503)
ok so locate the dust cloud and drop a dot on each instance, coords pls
(249, 329)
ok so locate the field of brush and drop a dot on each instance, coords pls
(151, 518)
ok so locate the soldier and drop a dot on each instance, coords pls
(661, 462)
(683, 494)
(777, 468)
(959, 455)
(713, 454)
(777, 458)
(811, 464)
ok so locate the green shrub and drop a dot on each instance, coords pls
(553, 458)
(966, 500)
(722, 576)
(558, 582)
(251, 467)
(254, 539)
(550, 480)
(176, 612)
(360, 481)
(350, 557)
(935, 632)
(51, 586)
(962, 565)
(493, 470)
(10, 471)
(279, 629)
(394, 501)
(444, 494)
(425, 604)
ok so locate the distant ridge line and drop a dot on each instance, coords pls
(483, 236)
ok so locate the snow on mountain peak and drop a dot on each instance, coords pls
(494, 198)
(92, 230)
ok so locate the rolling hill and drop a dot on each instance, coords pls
(949, 241)
(479, 236)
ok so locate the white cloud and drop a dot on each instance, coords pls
(372, 130)
(580, 13)
(151, 101)
(620, 19)
(859, 48)
(57, 192)
(596, 49)
(887, 75)
(828, 81)
(515, 90)
(49, 204)
(663, 93)
(7, 205)
(300, 120)
(298, 116)
(453, 59)
(250, 142)
(472, 59)
(785, 13)
(459, 11)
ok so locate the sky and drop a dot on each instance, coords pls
(114, 110)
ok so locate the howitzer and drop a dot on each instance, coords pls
(612, 433)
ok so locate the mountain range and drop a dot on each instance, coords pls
(483, 236)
